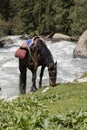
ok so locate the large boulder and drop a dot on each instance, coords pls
(81, 47)
(59, 37)
(5, 42)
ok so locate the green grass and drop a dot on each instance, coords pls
(65, 97)
(84, 75)
(63, 107)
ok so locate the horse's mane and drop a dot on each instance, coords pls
(43, 50)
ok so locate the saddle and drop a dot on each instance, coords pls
(29, 44)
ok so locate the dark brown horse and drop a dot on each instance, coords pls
(37, 55)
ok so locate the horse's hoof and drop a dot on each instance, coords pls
(33, 90)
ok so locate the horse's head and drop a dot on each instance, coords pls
(52, 69)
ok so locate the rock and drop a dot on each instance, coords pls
(5, 42)
(45, 90)
(59, 37)
(8, 99)
(25, 36)
(12, 98)
(81, 47)
(81, 80)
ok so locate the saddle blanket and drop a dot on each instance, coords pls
(27, 43)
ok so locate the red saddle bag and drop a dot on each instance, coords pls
(20, 53)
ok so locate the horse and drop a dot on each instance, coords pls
(38, 54)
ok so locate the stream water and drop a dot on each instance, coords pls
(69, 68)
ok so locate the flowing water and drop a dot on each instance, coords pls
(68, 67)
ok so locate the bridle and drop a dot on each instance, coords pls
(52, 71)
(52, 74)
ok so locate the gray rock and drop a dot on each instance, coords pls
(25, 36)
(81, 47)
(5, 42)
(59, 37)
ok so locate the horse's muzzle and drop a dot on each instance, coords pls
(53, 82)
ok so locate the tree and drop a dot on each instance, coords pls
(78, 15)
(43, 17)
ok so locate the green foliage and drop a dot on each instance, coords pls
(43, 17)
(41, 111)
(3, 27)
(79, 18)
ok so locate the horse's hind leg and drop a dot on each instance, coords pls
(22, 78)
(41, 75)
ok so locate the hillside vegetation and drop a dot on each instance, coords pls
(43, 17)
(63, 107)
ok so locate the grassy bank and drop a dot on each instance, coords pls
(63, 107)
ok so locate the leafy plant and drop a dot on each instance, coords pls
(39, 111)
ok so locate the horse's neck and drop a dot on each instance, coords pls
(43, 51)
(49, 59)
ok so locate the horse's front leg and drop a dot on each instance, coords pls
(22, 77)
(41, 75)
(33, 88)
